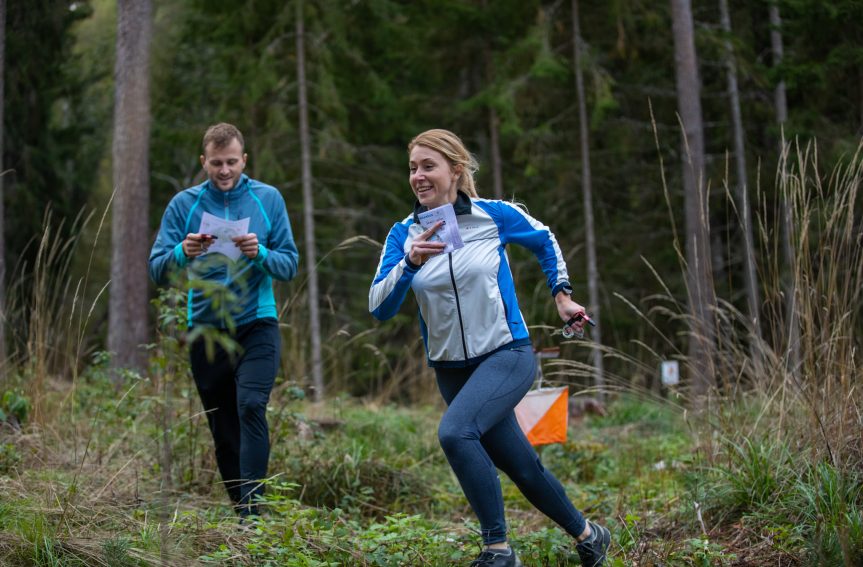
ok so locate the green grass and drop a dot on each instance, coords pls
(368, 485)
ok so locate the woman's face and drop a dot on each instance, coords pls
(432, 179)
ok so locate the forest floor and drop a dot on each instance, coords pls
(86, 483)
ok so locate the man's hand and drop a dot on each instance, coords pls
(422, 249)
(248, 244)
(196, 244)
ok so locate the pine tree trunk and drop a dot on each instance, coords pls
(308, 212)
(753, 299)
(793, 356)
(496, 167)
(587, 191)
(2, 209)
(127, 318)
(493, 129)
(698, 271)
(493, 124)
(860, 99)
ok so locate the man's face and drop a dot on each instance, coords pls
(224, 165)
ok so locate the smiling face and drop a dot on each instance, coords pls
(224, 165)
(432, 178)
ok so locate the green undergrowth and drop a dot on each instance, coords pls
(805, 507)
(360, 484)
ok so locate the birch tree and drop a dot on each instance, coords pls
(127, 317)
(698, 272)
(753, 300)
(587, 192)
(308, 211)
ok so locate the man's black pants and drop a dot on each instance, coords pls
(235, 389)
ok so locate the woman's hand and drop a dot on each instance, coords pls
(422, 249)
(567, 309)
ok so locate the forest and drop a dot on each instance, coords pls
(698, 162)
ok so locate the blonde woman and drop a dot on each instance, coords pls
(476, 338)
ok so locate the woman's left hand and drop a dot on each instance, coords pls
(567, 309)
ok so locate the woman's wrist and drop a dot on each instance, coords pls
(562, 298)
(411, 263)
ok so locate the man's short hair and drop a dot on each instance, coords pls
(220, 135)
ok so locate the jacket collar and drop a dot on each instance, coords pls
(240, 188)
(462, 206)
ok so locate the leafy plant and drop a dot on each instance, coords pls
(13, 404)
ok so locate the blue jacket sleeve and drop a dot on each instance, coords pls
(520, 228)
(279, 257)
(393, 277)
(166, 256)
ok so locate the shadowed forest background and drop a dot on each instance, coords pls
(754, 459)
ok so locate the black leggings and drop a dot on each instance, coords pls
(479, 433)
(234, 390)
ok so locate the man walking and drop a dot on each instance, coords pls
(231, 236)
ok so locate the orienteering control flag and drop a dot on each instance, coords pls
(543, 415)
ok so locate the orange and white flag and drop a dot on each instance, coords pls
(543, 415)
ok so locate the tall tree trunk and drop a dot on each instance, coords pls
(753, 300)
(494, 132)
(493, 123)
(309, 211)
(587, 191)
(792, 357)
(127, 318)
(2, 209)
(496, 167)
(860, 99)
(698, 273)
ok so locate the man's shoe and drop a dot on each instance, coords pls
(592, 551)
(495, 558)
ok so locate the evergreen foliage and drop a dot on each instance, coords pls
(768, 473)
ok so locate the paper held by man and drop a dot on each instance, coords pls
(224, 230)
(448, 232)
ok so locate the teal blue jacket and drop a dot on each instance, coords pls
(223, 291)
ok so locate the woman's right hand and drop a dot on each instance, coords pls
(422, 248)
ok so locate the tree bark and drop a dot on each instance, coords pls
(308, 211)
(127, 318)
(496, 168)
(2, 208)
(792, 356)
(587, 192)
(860, 99)
(493, 123)
(698, 271)
(493, 128)
(753, 300)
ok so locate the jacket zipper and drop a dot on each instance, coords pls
(457, 306)
(227, 217)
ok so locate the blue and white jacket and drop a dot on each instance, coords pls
(232, 292)
(467, 302)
